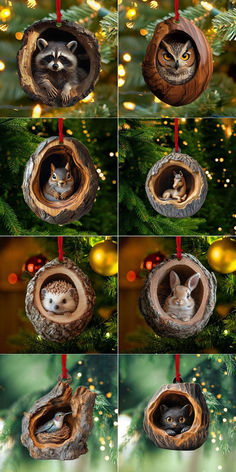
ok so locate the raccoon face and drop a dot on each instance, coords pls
(56, 56)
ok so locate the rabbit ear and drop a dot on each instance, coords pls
(174, 279)
(192, 282)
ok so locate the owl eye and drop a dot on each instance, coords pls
(167, 56)
(185, 56)
(169, 419)
(54, 176)
(181, 419)
(68, 175)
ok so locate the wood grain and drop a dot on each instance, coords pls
(178, 394)
(60, 328)
(178, 95)
(86, 181)
(157, 287)
(70, 441)
(25, 56)
(160, 178)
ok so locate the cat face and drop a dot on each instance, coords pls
(175, 418)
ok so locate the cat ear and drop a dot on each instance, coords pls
(53, 167)
(42, 43)
(192, 282)
(187, 410)
(67, 166)
(163, 408)
(174, 279)
(72, 45)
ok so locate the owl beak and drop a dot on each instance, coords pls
(177, 65)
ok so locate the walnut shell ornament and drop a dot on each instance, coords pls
(178, 62)
(69, 441)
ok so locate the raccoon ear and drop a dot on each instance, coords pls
(42, 43)
(72, 45)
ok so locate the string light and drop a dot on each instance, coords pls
(36, 113)
(126, 57)
(19, 35)
(5, 14)
(31, 3)
(131, 13)
(129, 105)
(89, 98)
(2, 66)
(121, 70)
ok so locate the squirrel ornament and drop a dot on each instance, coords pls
(178, 192)
(60, 184)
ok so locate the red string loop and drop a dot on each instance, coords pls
(60, 128)
(176, 10)
(178, 247)
(176, 135)
(58, 8)
(60, 248)
(177, 374)
(64, 369)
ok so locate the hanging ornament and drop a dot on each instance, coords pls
(184, 401)
(178, 63)
(58, 425)
(34, 263)
(152, 260)
(59, 299)
(103, 257)
(60, 180)
(178, 296)
(221, 255)
(58, 82)
(176, 185)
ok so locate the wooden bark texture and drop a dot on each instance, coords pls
(25, 56)
(70, 441)
(156, 288)
(198, 432)
(178, 95)
(81, 201)
(162, 172)
(60, 328)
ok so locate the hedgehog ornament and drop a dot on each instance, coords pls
(59, 297)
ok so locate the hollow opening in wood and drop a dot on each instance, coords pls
(163, 180)
(58, 155)
(59, 35)
(179, 37)
(57, 437)
(171, 400)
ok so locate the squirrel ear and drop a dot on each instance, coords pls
(67, 166)
(72, 45)
(174, 279)
(192, 282)
(42, 43)
(53, 167)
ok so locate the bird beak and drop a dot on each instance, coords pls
(69, 413)
(177, 65)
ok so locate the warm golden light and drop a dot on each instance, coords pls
(89, 98)
(121, 82)
(127, 57)
(2, 66)
(36, 113)
(19, 35)
(94, 5)
(131, 13)
(5, 14)
(207, 6)
(143, 32)
(121, 70)
(31, 3)
(129, 105)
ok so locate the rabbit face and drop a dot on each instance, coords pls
(180, 304)
(181, 295)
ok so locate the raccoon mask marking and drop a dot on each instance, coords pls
(56, 56)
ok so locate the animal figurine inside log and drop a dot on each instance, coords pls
(179, 304)
(59, 297)
(53, 425)
(178, 192)
(175, 419)
(60, 184)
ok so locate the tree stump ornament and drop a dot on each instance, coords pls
(57, 278)
(178, 63)
(195, 302)
(71, 155)
(176, 186)
(63, 82)
(177, 395)
(68, 442)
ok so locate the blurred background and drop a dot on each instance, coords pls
(20, 260)
(210, 142)
(138, 256)
(141, 376)
(19, 138)
(25, 379)
(100, 18)
(137, 23)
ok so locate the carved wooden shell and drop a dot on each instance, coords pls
(157, 288)
(37, 172)
(178, 394)
(51, 326)
(70, 441)
(87, 53)
(178, 95)
(160, 178)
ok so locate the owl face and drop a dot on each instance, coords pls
(176, 60)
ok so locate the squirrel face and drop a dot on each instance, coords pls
(56, 56)
(61, 176)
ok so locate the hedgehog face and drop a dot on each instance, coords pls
(59, 303)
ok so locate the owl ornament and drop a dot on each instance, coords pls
(178, 63)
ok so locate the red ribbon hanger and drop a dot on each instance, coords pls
(64, 369)
(58, 9)
(177, 374)
(178, 247)
(176, 10)
(60, 129)
(60, 248)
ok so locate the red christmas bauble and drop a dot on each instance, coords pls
(34, 263)
(152, 260)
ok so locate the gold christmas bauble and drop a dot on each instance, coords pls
(103, 258)
(221, 255)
